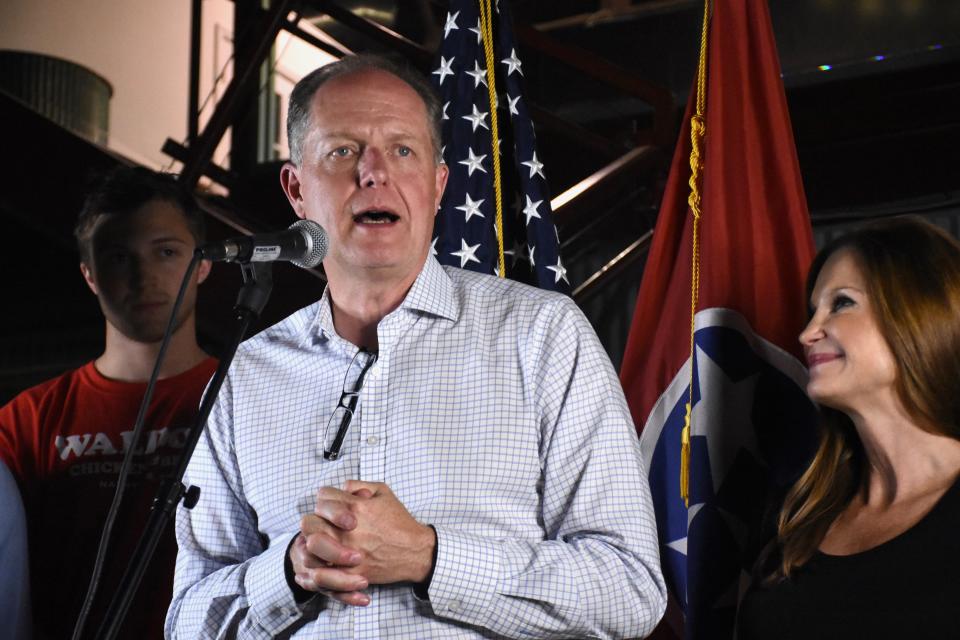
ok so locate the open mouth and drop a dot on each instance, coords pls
(375, 217)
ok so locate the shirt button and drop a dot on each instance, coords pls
(454, 606)
(372, 440)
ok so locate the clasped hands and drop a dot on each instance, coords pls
(358, 536)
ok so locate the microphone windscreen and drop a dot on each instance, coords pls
(317, 243)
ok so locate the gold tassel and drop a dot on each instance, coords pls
(685, 458)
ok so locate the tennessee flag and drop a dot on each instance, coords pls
(752, 425)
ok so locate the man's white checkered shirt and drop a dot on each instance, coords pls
(493, 414)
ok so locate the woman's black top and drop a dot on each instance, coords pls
(906, 588)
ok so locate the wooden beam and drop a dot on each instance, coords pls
(632, 254)
(557, 125)
(577, 200)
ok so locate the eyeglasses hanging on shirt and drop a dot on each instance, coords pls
(346, 407)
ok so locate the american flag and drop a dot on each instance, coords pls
(465, 230)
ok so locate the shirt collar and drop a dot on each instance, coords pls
(324, 319)
(432, 293)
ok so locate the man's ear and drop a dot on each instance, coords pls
(442, 174)
(88, 277)
(203, 270)
(290, 182)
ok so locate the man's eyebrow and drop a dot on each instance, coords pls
(396, 134)
(403, 135)
(168, 239)
(120, 244)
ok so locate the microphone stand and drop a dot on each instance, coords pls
(253, 296)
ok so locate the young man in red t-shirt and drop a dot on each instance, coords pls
(65, 438)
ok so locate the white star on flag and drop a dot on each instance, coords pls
(451, 24)
(479, 75)
(476, 30)
(531, 209)
(513, 63)
(466, 253)
(445, 106)
(530, 256)
(477, 119)
(471, 207)
(473, 162)
(559, 270)
(513, 105)
(433, 247)
(535, 166)
(718, 389)
(446, 68)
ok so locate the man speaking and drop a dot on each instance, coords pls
(425, 452)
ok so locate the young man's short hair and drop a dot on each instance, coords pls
(124, 190)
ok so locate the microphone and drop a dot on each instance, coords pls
(304, 244)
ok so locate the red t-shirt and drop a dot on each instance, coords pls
(64, 440)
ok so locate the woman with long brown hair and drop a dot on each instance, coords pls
(868, 539)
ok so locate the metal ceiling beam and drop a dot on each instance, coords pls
(329, 45)
(660, 98)
(609, 14)
(262, 40)
(420, 55)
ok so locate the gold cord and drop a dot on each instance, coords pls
(698, 130)
(486, 29)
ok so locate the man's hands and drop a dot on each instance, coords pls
(356, 537)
